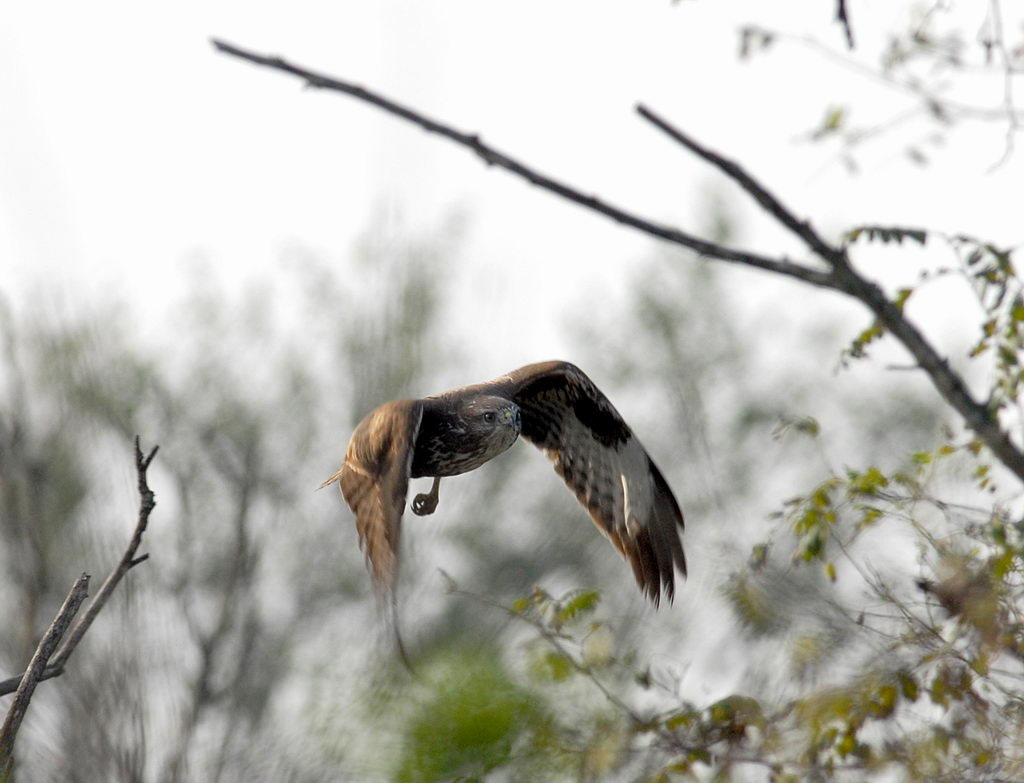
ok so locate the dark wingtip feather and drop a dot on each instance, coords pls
(652, 569)
(657, 550)
(668, 518)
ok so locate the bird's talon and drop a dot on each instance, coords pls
(423, 504)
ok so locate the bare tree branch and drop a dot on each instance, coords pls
(494, 157)
(840, 276)
(734, 171)
(147, 501)
(36, 668)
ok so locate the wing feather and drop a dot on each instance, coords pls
(374, 480)
(605, 465)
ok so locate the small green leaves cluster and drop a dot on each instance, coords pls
(834, 718)
(812, 517)
(862, 497)
(1000, 291)
(990, 269)
(874, 332)
(885, 235)
(569, 643)
(917, 715)
(557, 612)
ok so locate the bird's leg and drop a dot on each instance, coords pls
(425, 503)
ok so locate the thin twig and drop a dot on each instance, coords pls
(147, 501)
(999, 44)
(36, 667)
(844, 19)
(494, 157)
(931, 102)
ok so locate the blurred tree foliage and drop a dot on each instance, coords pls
(247, 562)
(847, 618)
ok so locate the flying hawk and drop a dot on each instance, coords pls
(555, 406)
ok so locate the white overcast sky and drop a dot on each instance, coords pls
(128, 146)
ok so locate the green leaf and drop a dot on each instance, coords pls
(869, 482)
(681, 719)
(1001, 565)
(811, 546)
(703, 755)
(820, 498)
(869, 515)
(886, 700)
(552, 666)
(887, 234)
(980, 664)
(847, 745)
(908, 686)
(736, 711)
(583, 602)
(939, 691)
(833, 118)
(758, 555)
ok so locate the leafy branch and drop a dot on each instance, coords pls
(838, 273)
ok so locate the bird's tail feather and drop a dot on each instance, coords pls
(332, 479)
(389, 604)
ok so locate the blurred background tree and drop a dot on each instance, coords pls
(855, 602)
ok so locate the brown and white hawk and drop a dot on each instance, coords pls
(555, 406)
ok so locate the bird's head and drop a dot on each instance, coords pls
(495, 420)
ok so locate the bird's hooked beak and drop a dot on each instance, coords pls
(511, 417)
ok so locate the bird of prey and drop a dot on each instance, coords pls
(556, 407)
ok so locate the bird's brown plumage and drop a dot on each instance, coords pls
(565, 415)
(375, 478)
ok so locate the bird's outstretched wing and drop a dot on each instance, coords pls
(374, 479)
(605, 465)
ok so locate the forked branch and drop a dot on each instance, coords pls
(147, 501)
(846, 279)
(36, 667)
(836, 273)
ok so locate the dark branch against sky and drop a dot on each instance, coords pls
(836, 272)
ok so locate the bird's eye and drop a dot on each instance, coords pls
(489, 417)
